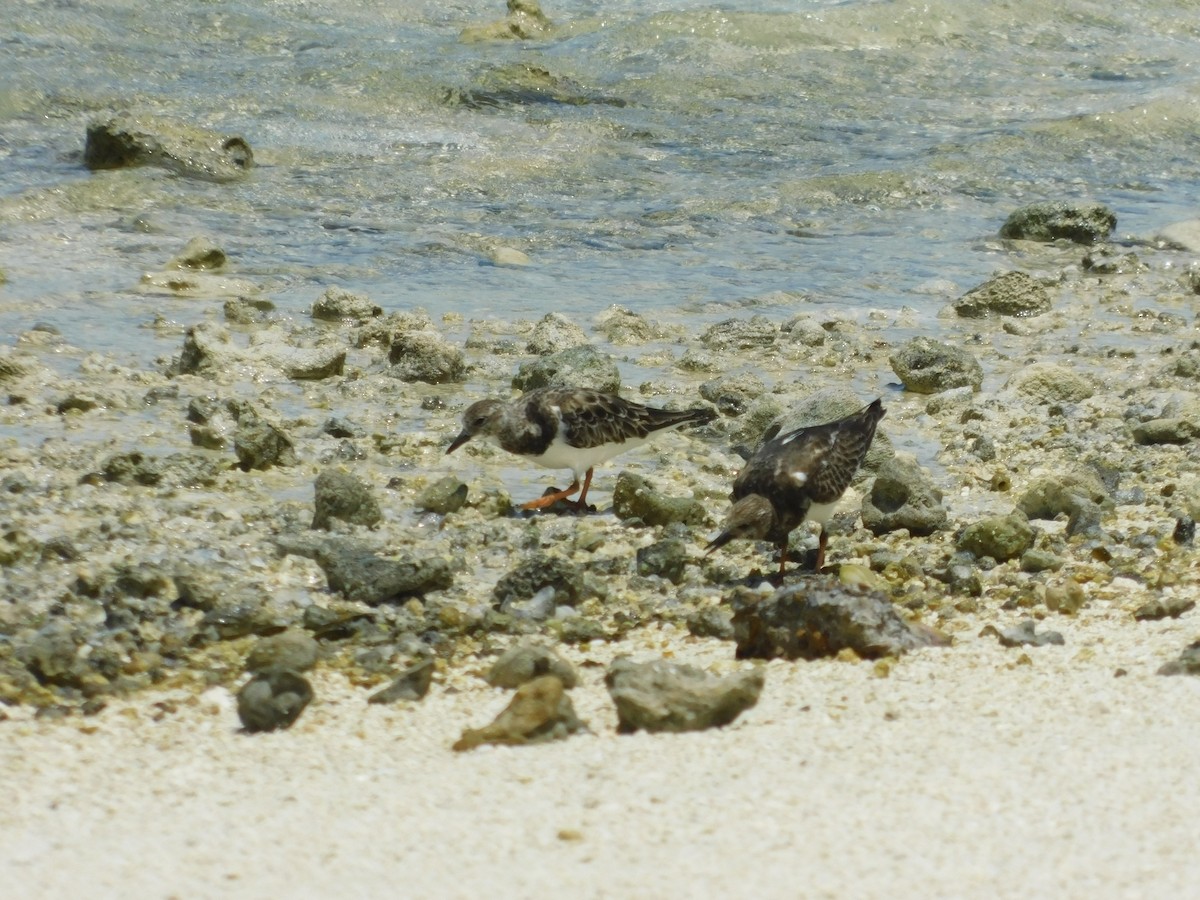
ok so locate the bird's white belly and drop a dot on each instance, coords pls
(579, 459)
(821, 512)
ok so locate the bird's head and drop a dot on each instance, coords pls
(479, 420)
(750, 519)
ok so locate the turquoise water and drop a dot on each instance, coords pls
(863, 154)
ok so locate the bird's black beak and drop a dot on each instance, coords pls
(718, 542)
(458, 441)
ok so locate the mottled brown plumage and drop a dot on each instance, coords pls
(572, 429)
(797, 476)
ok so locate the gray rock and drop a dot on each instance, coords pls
(1108, 261)
(357, 572)
(536, 572)
(1052, 495)
(412, 684)
(821, 618)
(740, 334)
(247, 311)
(127, 140)
(712, 622)
(527, 661)
(1041, 561)
(1164, 608)
(339, 305)
(292, 650)
(926, 366)
(1082, 223)
(1000, 537)
(1188, 662)
(446, 495)
(623, 326)
(578, 367)
(1181, 235)
(260, 444)
(903, 496)
(732, 394)
(555, 332)
(273, 700)
(635, 498)
(1024, 634)
(672, 697)
(176, 469)
(1165, 431)
(540, 711)
(1010, 294)
(1048, 382)
(340, 495)
(199, 253)
(804, 329)
(666, 558)
(424, 356)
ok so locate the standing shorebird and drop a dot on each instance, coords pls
(797, 476)
(569, 428)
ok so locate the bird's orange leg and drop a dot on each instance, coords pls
(581, 503)
(547, 499)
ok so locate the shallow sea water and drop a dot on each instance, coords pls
(734, 158)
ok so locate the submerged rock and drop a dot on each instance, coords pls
(144, 140)
(272, 700)
(540, 711)
(412, 684)
(669, 696)
(903, 496)
(340, 495)
(1082, 223)
(926, 366)
(822, 617)
(1010, 294)
(527, 661)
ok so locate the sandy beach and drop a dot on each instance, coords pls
(972, 771)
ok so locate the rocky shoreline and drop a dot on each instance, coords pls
(282, 481)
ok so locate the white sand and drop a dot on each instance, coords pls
(965, 773)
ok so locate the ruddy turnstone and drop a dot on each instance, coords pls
(569, 429)
(797, 476)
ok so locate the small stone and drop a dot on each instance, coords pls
(1188, 662)
(424, 356)
(412, 684)
(555, 332)
(261, 445)
(535, 573)
(903, 496)
(273, 699)
(1000, 537)
(1049, 382)
(1185, 531)
(1022, 635)
(446, 495)
(339, 305)
(926, 366)
(1066, 597)
(527, 661)
(1010, 294)
(540, 711)
(667, 696)
(340, 495)
(577, 367)
(821, 618)
(666, 558)
(292, 650)
(712, 622)
(635, 498)
(1170, 608)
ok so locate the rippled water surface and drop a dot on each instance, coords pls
(693, 159)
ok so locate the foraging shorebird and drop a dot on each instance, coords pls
(798, 476)
(569, 428)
